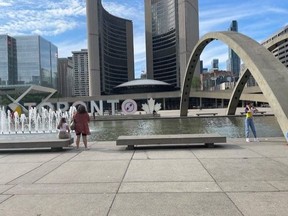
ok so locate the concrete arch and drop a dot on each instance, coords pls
(269, 72)
(235, 97)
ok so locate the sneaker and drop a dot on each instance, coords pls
(86, 149)
(247, 140)
(256, 140)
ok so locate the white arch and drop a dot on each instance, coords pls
(269, 72)
(235, 97)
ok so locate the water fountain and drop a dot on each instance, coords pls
(36, 129)
(37, 121)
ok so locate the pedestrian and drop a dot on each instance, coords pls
(81, 119)
(64, 130)
(249, 122)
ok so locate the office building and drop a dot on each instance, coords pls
(233, 62)
(215, 65)
(8, 60)
(279, 49)
(172, 31)
(110, 47)
(277, 44)
(28, 60)
(80, 73)
(65, 77)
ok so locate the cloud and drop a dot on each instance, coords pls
(215, 50)
(42, 17)
(65, 48)
(256, 19)
(125, 10)
(63, 22)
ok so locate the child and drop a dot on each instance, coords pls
(64, 132)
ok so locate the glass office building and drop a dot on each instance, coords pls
(8, 60)
(110, 49)
(172, 30)
(28, 60)
(36, 61)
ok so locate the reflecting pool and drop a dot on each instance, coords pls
(233, 127)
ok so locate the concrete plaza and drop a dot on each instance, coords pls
(236, 178)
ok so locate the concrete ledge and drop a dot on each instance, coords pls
(53, 143)
(200, 114)
(172, 139)
(125, 117)
(255, 113)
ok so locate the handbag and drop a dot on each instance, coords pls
(72, 125)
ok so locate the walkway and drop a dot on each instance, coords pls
(233, 179)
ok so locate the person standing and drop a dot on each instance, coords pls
(81, 119)
(64, 130)
(249, 122)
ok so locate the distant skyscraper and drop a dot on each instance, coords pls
(65, 77)
(80, 70)
(233, 62)
(172, 30)
(215, 64)
(110, 47)
(28, 60)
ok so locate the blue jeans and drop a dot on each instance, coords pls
(249, 123)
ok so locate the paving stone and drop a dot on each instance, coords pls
(51, 205)
(87, 172)
(161, 187)
(261, 203)
(166, 170)
(280, 185)
(240, 186)
(64, 188)
(163, 154)
(11, 171)
(171, 204)
(4, 188)
(253, 169)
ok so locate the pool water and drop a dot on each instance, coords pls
(233, 127)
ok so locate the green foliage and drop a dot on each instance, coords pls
(196, 82)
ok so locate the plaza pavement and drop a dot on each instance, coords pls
(236, 178)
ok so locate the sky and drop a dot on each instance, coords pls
(63, 22)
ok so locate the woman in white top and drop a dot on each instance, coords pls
(64, 130)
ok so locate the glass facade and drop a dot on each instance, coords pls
(164, 41)
(172, 31)
(8, 60)
(114, 49)
(110, 49)
(234, 60)
(28, 60)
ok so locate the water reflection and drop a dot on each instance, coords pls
(233, 127)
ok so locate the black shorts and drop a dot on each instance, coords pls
(78, 134)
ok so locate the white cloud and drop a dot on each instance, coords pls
(215, 50)
(5, 3)
(125, 10)
(65, 48)
(256, 19)
(42, 17)
(63, 22)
